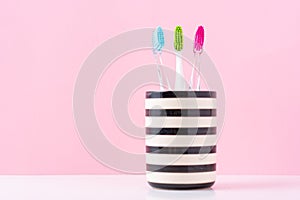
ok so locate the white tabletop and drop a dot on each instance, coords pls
(131, 187)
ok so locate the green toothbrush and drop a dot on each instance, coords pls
(178, 45)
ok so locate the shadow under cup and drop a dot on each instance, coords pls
(181, 136)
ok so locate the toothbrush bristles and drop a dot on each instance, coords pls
(199, 39)
(178, 38)
(158, 40)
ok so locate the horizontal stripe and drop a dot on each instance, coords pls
(181, 94)
(181, 159)
(181, 150)
(181, 131)
(181, 178)
(180, 122)
(181, 140)
(181, 186)
(181, 103)
(181, 169)
(181, 112)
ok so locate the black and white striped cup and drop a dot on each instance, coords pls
(181, 136)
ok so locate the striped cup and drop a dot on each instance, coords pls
(181, 136)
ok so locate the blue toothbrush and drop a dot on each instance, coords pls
(158, 42)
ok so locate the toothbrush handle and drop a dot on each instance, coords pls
(195, 65)
(179, 81)
(192, 78)
(163, 74)
(192, 74)
(198, 65)
(198, 82)
(159, 74)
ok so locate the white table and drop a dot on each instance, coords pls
(134, 187)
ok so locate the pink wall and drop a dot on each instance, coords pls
(255, 46)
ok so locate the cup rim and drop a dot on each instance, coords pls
(181, 94)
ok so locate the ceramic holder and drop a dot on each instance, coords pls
(181, 136)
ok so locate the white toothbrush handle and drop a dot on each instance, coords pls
(198, 83)
(159, 74)
(197, 75)
(192, 74)
(179, 81)
(163, 74)
(198, 65)
(192, 80)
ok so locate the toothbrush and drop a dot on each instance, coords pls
(178, 45)
(198, 49)
(158, 42)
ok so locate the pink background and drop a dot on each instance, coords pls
(254, 44)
